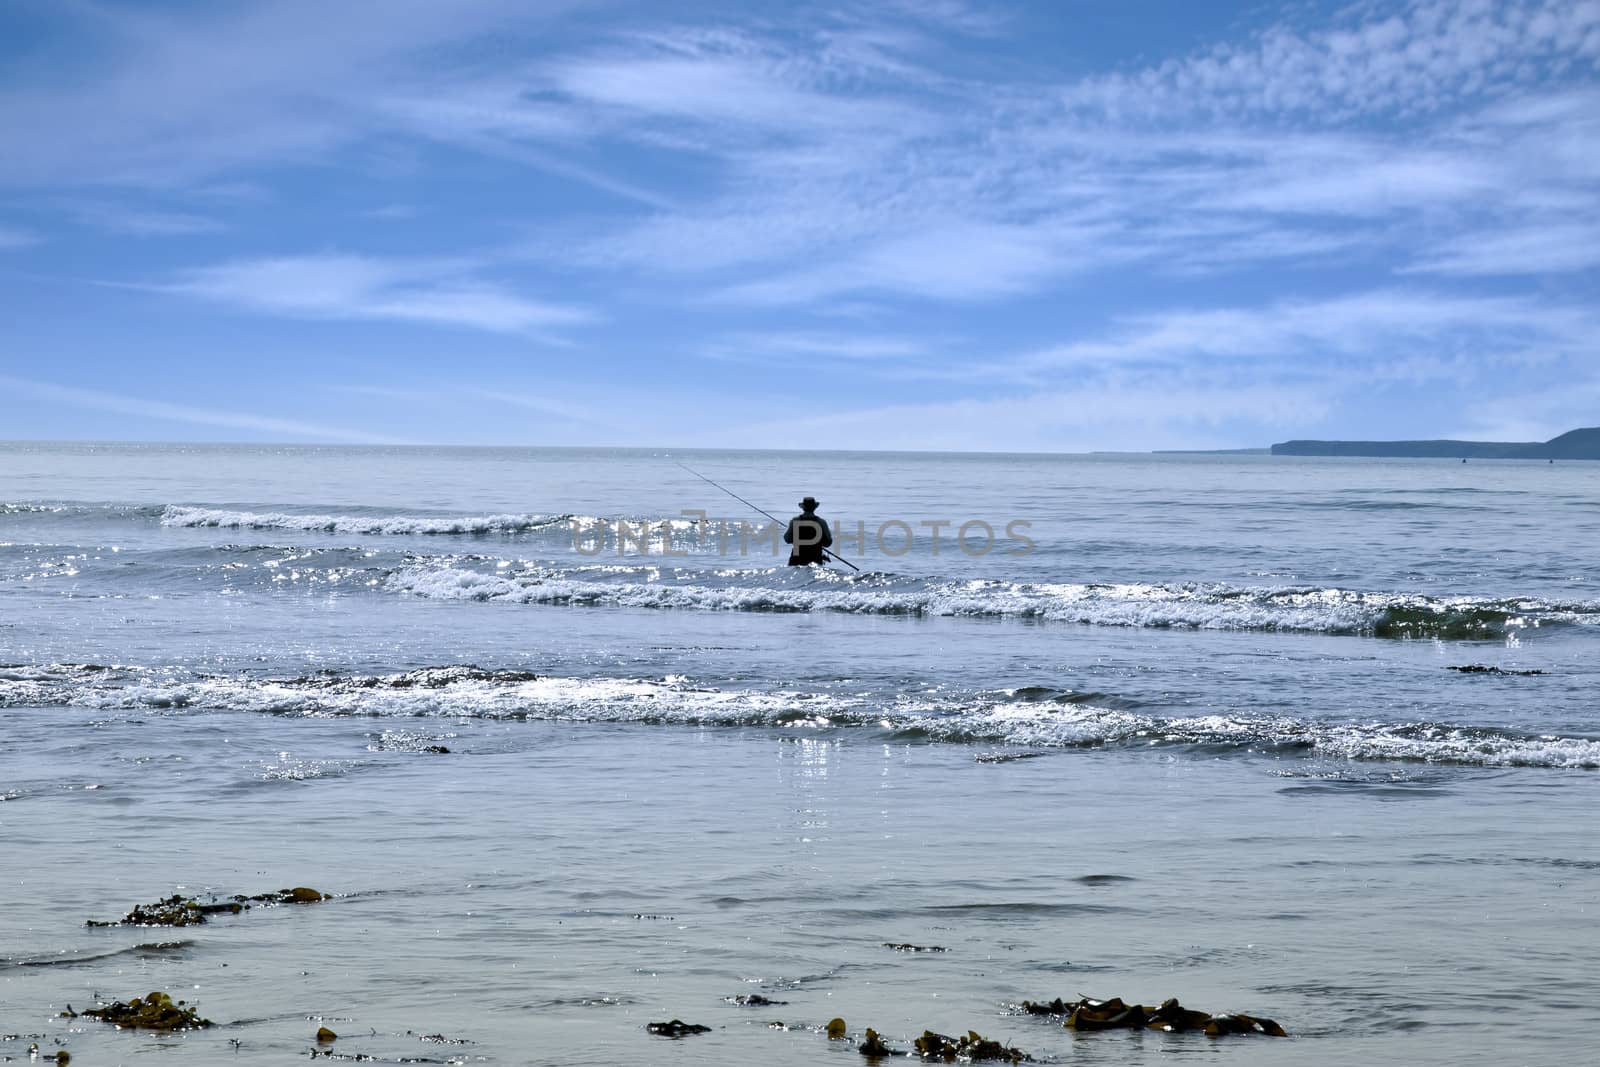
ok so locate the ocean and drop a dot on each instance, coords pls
(1309, 739)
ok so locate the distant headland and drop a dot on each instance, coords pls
(1574, 444)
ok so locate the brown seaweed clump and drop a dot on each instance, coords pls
(1171, 1017)
(873, 1046)
(153, 1011)
(298, 895)
(1053, 1007)
(176, 910)
(972, 1048)
(676, 1028)
(179, 910)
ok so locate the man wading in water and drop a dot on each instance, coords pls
(809, 534)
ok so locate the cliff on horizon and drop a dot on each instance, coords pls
(1574, 444)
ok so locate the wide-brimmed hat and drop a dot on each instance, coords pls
(809, 503)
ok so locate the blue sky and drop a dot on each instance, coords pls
(1074, 225)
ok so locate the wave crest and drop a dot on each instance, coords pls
(1138, 604)
(1029, 716)
(180, 516)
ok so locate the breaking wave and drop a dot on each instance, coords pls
(180, 516)
(1040, 717)
(1139, 604)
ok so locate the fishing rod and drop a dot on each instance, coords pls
(763, 511)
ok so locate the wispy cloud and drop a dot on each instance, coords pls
(11, 237)
(391, 212)
(1409, 60)
(181, 98)
(139, 222)
(808, 347)
(1379, 328)
(1232, 376)
(1133, 412)
(1523, 414)
(442, 292)
(1363, 142)
(724, 87)
(952, 260)
(1557, 246)
(139, 407)
(864, 185)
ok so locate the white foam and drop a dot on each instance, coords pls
(179, 516)
(1201, 607)
(978, 718)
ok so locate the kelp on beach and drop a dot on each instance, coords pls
(159, 1012)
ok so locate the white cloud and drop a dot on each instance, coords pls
(391, 212)
(139, 407)
(832, 153)
(1427, 56)
(355, 287)
(178, 99)
(1228, 160)
(1559, 246)
(137, 222)
(1133, 413)
(805, 348)
(861, 162)
(1365, 336)
(950, 260)
(1537, 414)
(725, 86)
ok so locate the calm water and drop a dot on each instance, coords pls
(1248, 776)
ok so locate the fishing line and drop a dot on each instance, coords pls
(762, 511)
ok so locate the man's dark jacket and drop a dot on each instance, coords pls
(809, 534)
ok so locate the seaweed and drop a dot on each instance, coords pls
(873, 1046)
(176, 910)
(1479, 668)
(1170, 1017)
(1218, 1025)
(1054, 1007)
(326, 1036)
(972, 1048)
(836, 1029)
(906, 946)
(298, 895)
(179, 910)
(676, 1028)
(153, 1011)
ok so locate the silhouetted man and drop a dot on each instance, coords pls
(809, 534)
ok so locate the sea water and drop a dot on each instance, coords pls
(1188, 726)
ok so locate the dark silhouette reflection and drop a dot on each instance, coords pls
(809, 534)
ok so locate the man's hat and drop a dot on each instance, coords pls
(808, 504)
